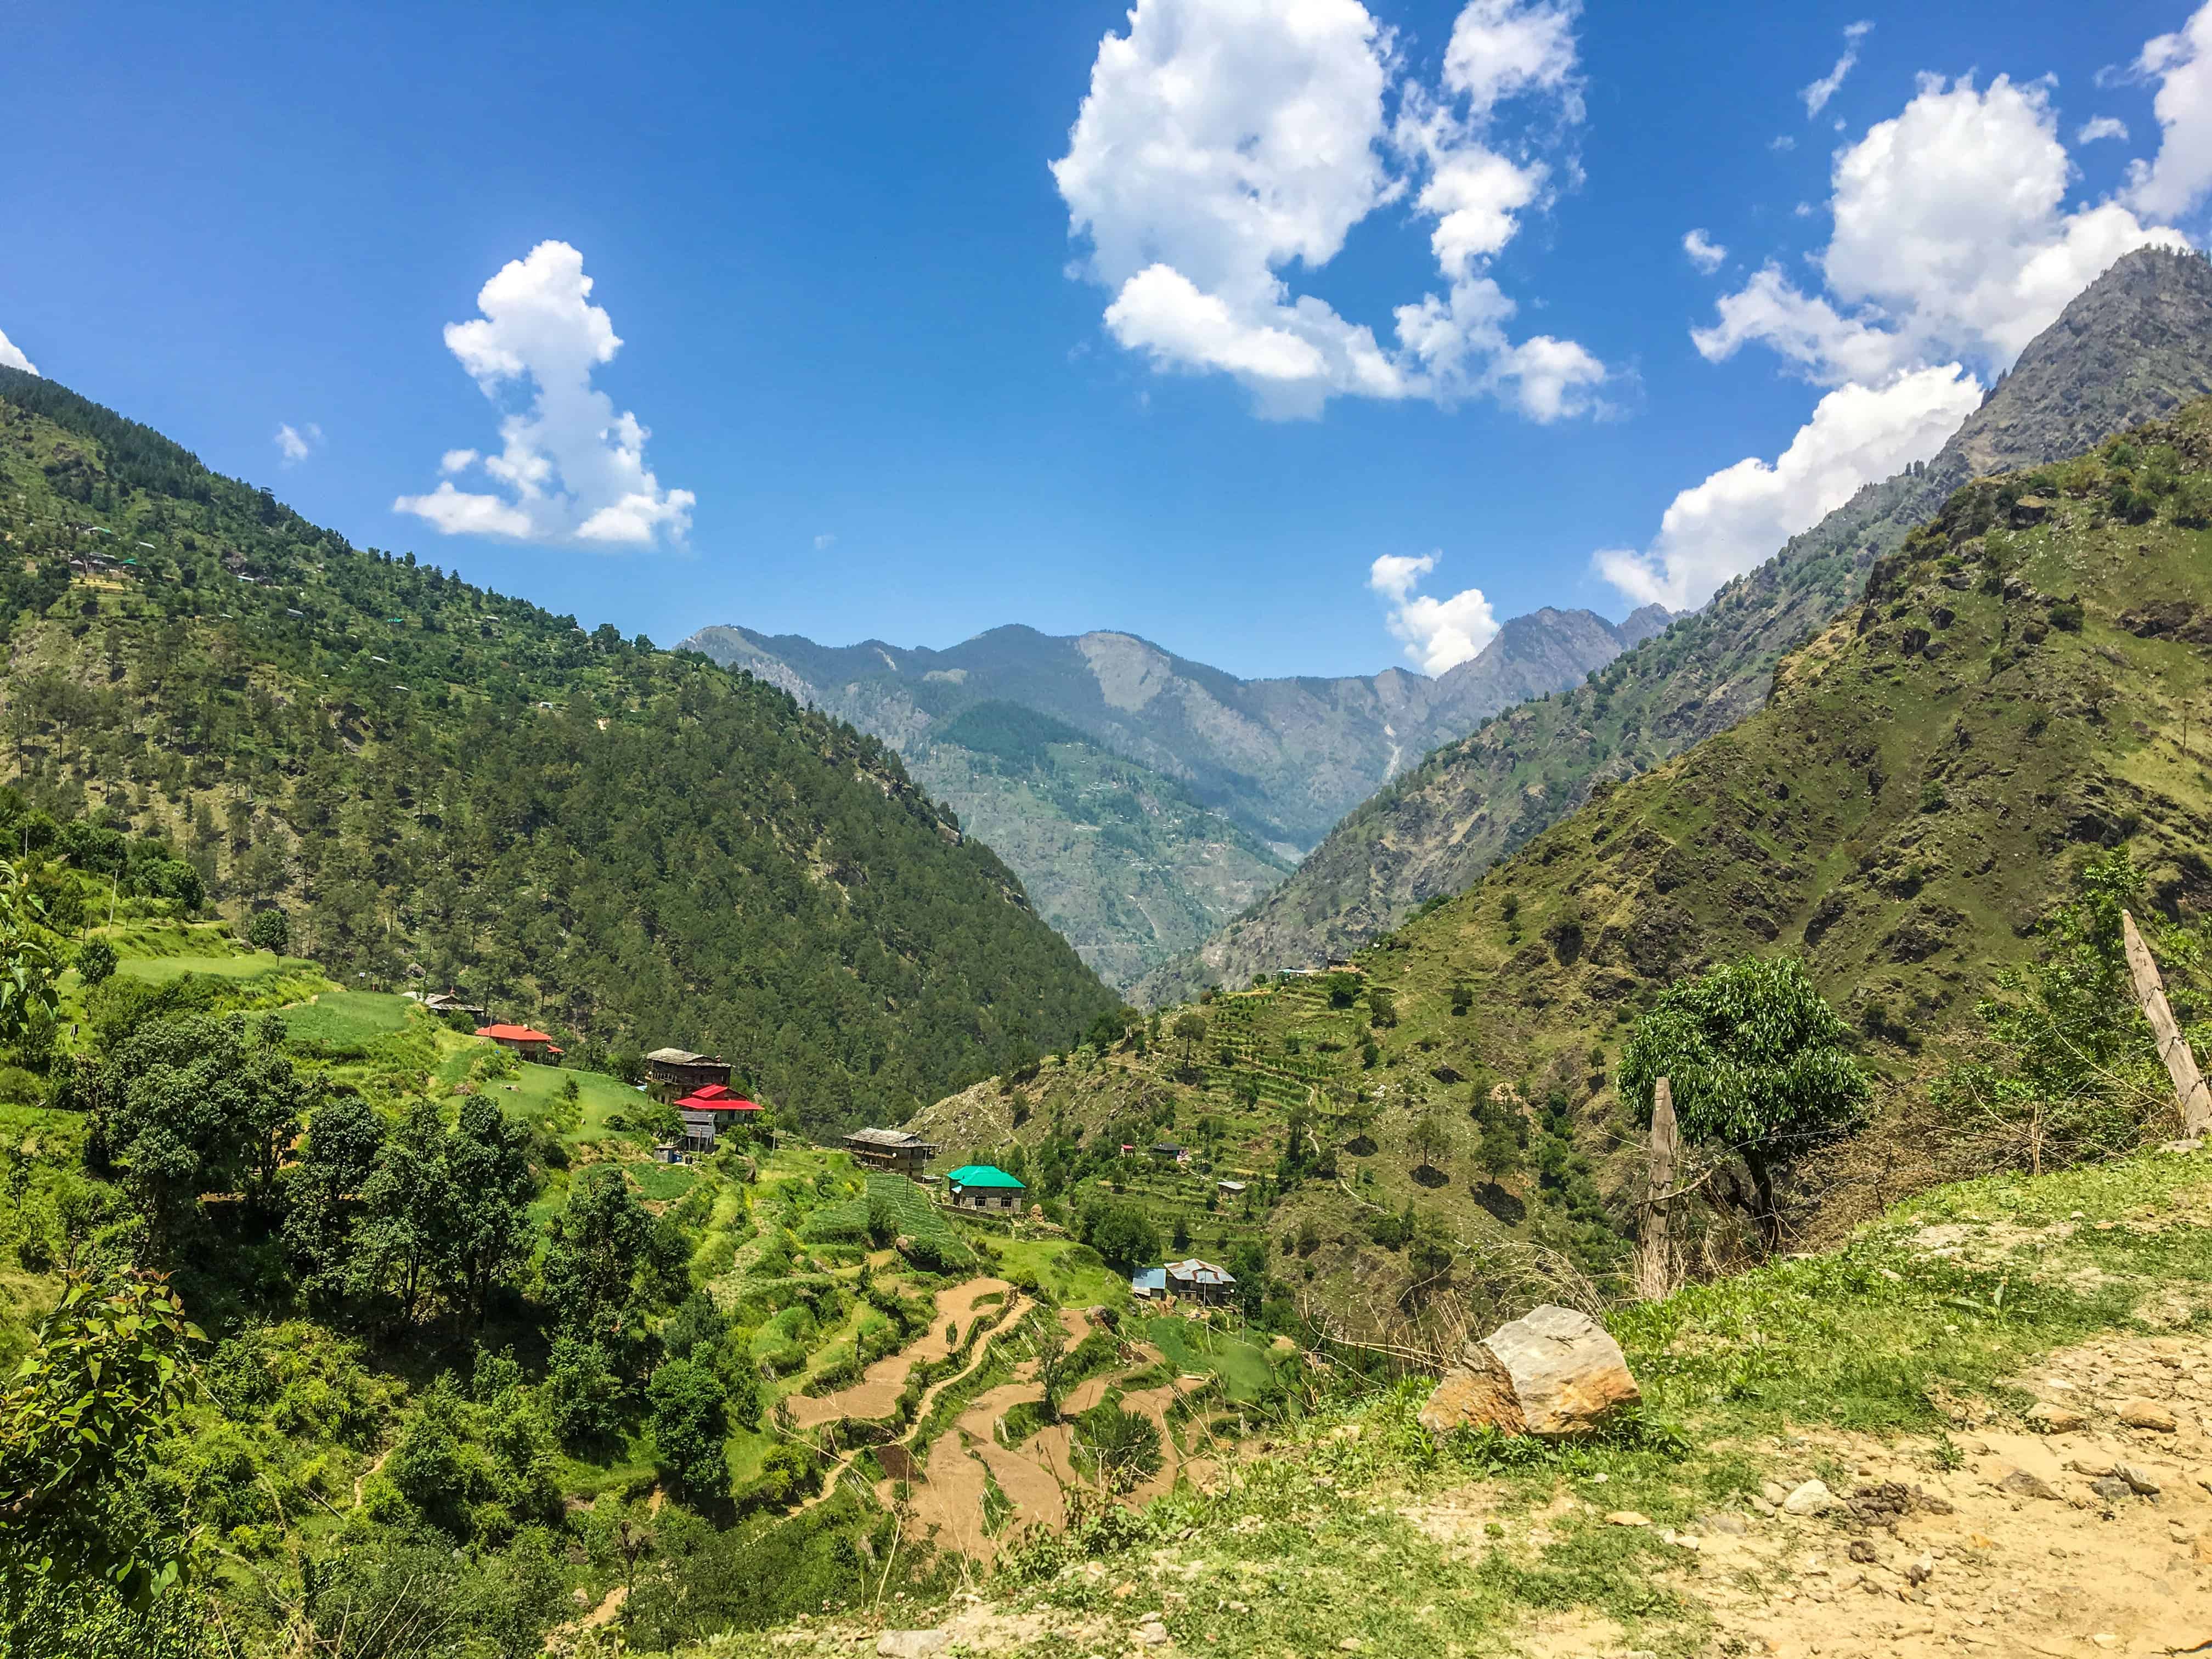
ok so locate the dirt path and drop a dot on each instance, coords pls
(361, 1479)
(2020, 1554)
(876, 1393)
(558, 1639)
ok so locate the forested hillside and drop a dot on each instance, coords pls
(1951, 794)
(2134, 345)
(628, 845)
(1120, 861)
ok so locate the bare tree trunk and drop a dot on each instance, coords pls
(1654, 1260)
(2173, 1047)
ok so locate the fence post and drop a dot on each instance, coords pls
(2173, 1047)
(1654, 1262)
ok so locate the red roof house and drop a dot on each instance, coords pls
(714, 1098)
(523, 1040)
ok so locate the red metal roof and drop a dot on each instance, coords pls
(512, 1034)
(716, 1098)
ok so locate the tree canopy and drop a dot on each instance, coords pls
(1757, 1062)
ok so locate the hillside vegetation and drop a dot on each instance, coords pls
(631, 847)
(448, 1350)
(1124, 864)
(2134, 345)
(2017, 707)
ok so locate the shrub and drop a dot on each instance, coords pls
(94, 962)
(689, 1425)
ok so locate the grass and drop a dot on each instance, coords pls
(346, 1019)
(1199, 1351)
(160, 970)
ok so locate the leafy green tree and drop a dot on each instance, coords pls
(1189, 1030)
(1497, 1154)
(1122, 1234)
(487, 1229)
(95, 961)
(81, 1425)
(597, 1244)
(1758, 1063)
(1427, 1140)
(689, 1427)
(269, 930)
(584, 1397)
(1050, 1351)
(321, 1191)
(399, 1241)
(204, 1104)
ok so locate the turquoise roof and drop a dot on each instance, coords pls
(982, 1175)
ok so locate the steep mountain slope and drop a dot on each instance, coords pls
(631, 846)
(1183, 794)
(1120, 861)
(2136, 344)
(2024, 684)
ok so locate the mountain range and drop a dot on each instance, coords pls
(1162, 796)
(2134, 345)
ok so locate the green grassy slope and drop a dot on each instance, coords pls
(1905, 1358)
(628, 845)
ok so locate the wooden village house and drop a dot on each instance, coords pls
(900, 1151)
(523, 1040)
(671, 1073)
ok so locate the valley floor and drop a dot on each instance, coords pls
(2006, 1388)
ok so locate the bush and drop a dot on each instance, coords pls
(583, 1393)
(269, 930)
(1119, 1448)
(688, 1426)
(94, 962)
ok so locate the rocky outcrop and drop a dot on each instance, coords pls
(1553, 1373)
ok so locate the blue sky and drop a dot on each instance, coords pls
(907, 400)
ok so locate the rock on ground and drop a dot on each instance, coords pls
(1552, 1372)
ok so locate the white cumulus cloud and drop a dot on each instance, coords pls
(11, 357)
(1439, 634)
(824, 542)
(2175, 181)
(1953, 246)
(1816, 95)
(1736, 519)
(1951, 239)
(2100, 126)
(570, 468)
(1704, 252)
(1222, 142)
(295, 443)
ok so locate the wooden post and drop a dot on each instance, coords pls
(2173, 1047)
(1655, 1261)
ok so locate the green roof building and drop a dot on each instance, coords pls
(981, 1187)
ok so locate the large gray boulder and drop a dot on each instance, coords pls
(1553, 1373)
